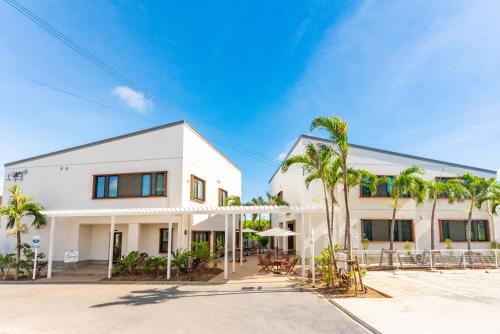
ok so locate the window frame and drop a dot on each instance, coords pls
(219, 193)
(486, 229)
(160, 244)
(374, 196)
(106, 176)
(412, 228)
(193, 178)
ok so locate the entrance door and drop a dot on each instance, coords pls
(291, 239)
(117, 246)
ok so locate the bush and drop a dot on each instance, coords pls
(180, 261)
(153, 264)
(129, 264)
(29, 258)
(200, 254)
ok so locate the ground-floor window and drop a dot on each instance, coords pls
(455, 230)
(163, 240)
(219, 238)
(379, 229)
(201, 236)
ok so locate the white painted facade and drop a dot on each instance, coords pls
(64, 180)
(379, 162)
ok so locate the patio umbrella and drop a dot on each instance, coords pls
(248, 230)
(276, 232)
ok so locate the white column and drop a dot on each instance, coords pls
(51, 246)
(311, 245)
(110, 253)
(234, 243)
(212, 233)
(179, 234)
(303, 239)
(241, 239)
(225, 244)
(169, 253)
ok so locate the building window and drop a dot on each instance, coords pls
(146, 185)
(455, 230)
(163, 240)
(222, 197)
(160, 184)
(130, 185)
(379, 229)
(383, 189)
(197, 189)
(100, 184)
(113, 186)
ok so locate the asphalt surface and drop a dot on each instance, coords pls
(227, 308)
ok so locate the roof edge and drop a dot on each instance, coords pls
(403, 155)
(123, 136)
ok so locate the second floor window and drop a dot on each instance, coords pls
(222, 197)
(197, 189)
(130, 185)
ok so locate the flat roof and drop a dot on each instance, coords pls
(403, 155)
(127, 135)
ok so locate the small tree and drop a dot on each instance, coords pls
(478, 190)
(18, 207)
(407, 183)
(453, 191)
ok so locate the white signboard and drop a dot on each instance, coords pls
(35, 241)
(71, 257)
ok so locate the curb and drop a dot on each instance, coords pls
(354, 317)
(108, 283)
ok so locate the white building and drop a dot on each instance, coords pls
(370, 216)
(170, 166)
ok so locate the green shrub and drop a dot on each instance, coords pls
(29, 258)
(200, 254)
(215, 256)
(153, 264)
(180, 261)
(130, 263)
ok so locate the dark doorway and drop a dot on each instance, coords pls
(117, 246)
(291, 239)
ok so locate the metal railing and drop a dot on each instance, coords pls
(429, 259)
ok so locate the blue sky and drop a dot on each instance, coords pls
(416, 77)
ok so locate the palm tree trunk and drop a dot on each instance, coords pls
(432, 223)
(391, 232)
(330, 239)
(347, 236)
(18, 252)
(468, 228)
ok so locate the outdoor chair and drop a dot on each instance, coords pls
(264, 263)
(290, 266)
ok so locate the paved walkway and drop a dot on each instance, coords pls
(431, 302)
(226, 308)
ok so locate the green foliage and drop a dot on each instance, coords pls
(408, 247)
(448, 243)
(130, 263)
(180, 261)
(324, 263)
(200, 254)
(215, 256)
(153, 264)
(7, 259)
(494, 245)
(365, 243)
(29, 258)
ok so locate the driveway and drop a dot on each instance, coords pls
(466, 301)
(229, 308)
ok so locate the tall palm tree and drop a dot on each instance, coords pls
(18, 207)
(453, 191)
(337, 129)
(478, 190)
(315, 162)
(407, 183)
(275, 200)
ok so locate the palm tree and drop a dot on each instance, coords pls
(407, 183)
(315, 162)
(453, 191)
(478, 190)
(18, 207)
(337, 129)
(257, 201)
(275, 200)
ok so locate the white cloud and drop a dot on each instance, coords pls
(134, 99)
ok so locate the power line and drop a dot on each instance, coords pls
(127, 81)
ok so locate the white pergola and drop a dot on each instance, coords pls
(225, 210)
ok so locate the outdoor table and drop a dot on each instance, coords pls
(277, 265)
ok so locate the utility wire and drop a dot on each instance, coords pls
(127, 81)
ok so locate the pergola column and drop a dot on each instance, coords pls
(51, 246)
(241, 239)
(303, 239)
(225, 244)
(110, 253)
(169, 253)
(233, 235)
